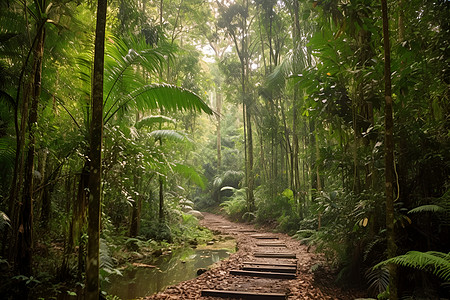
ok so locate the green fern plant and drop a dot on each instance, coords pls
(106, 262)
(427, 208)
(435, 262)
(378, 279)
(236, 207)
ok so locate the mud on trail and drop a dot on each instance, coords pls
(250, 243)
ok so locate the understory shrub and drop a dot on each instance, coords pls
(236, 206)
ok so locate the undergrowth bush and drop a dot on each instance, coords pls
(236, 206)
(282, 209)
(156, 230)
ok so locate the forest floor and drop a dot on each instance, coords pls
(307, 285)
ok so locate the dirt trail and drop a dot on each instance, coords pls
(304, 286)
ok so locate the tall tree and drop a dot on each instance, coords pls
(95, 172)
(237, 20)
(389, 154)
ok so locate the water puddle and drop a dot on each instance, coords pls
(182, 264)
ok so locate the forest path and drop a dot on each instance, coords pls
(303, 286)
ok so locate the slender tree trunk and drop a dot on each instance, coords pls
(295, 157)
(136, 205)
(25, 229)
(161, 4)
(219, 138)
(135, 210)
(251, 177)
(389, 155)
(401, 17)
(161, 199)
(95, 172)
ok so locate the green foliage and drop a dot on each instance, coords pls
(378, 280)
(282, 209)
(190, 174)
(107, 265)
(236, 206)
(437, 263)
(152, 120)
(153, 230)
(427, 208)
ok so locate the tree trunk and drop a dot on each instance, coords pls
(25, 225)
(95, 172)
(251, 177)
(389, 155)
(219, 138)
(161, 199)
(295, 168)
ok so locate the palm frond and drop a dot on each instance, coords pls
(118, 65)
(151, 120)
(170, 97)
(190, 173)
(435, 262)
(169, 134)
(277, 79)
(163, 96)
(233, 175)
(217, 181)
(4, 220)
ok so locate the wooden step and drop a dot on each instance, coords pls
(242, 295)
(247, 230)
(269, 264)
(271, 245)
(263, 274)
(264, 237)
(270, 269)
(274, 255)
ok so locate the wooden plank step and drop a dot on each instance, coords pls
(270, 269)
(264, 237)
(242, 295)
(274, 255)
(271, 245)
(226, 226)
(269, 264)
(263, 274)
(247, 230)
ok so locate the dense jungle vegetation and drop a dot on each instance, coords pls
(328, 120)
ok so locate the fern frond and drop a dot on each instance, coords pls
(435, 262)
(378, 279)
(106, 261)
(427, 208)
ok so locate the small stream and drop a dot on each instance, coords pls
(182, 264)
